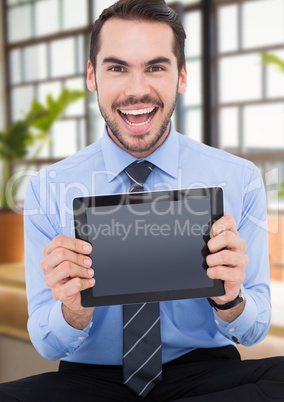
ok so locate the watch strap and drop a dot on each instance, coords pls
(239, 299)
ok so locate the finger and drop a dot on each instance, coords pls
(234, 276)
(59, 255)
(61, 241)
(228, 240)
(71, 288)
(65, 271)
(225, 223)
(227, 258)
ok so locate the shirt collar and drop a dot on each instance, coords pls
(165, 157)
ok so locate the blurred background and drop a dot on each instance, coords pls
(234, 100)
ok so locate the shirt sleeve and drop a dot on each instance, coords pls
(50, 334)
(253, 324)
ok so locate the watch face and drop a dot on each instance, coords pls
(242, 293)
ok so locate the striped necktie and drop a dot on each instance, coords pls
(142, 349)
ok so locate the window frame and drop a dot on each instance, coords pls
(47, 40)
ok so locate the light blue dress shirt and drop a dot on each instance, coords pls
(185, 324)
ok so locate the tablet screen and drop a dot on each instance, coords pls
(148, 246)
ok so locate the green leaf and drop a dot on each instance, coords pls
(31, 132)
(269, 58)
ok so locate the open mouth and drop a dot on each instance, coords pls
(138, 118)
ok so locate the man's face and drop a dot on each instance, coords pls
(137, 82)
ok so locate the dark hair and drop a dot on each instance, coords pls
(146, 10)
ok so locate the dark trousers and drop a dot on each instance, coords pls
(204, 375)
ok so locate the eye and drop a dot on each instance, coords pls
(117, 69)
(155, 69)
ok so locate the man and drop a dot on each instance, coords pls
(137, 68)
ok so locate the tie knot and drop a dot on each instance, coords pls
(138, 173)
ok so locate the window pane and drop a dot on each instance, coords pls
(53, 88)
(100, 5)
(263, 23)
(193, 124)
(228, 28)
(77, 108)
(15, 66)
(274, 177)
(65, 138)
(82, 134)
(40, 150)
(74, 13)
(81, 57)
(46, 17)
(192, 25)
(229, 127)
(193, 95)
(264, 126)
(240, 78)
(35, 63)
(19, 23)
(63, 57)
(95, 121)
(275, 78)
(44, 151)
(186, 2)
(20, 101)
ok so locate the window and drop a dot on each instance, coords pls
(233, 100)
(193, 98)
(249, 104)
(46, 44)
(250, 101)
(189, 114)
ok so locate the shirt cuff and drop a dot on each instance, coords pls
(71, 337)
(236, 329)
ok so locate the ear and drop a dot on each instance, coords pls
(182, 80)
(91, 82)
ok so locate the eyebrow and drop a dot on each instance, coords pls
(115, 60)
(158, 60)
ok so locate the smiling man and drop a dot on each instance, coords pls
(137, 68)
(136, 77)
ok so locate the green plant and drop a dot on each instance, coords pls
(25, 138)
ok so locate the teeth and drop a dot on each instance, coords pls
(138, 124)
(138, 112)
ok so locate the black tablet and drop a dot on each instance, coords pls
(149, 246)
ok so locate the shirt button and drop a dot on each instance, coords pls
(232, 330)
(67, 354)
(81, 338)
(91, 324)
(217, 322)
(235, 339)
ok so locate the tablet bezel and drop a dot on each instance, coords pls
(80, 206)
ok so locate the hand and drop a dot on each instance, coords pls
(68, 271)
(228, 259)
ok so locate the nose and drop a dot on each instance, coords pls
(137, 85)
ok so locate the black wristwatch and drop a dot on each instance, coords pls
(239, 299)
